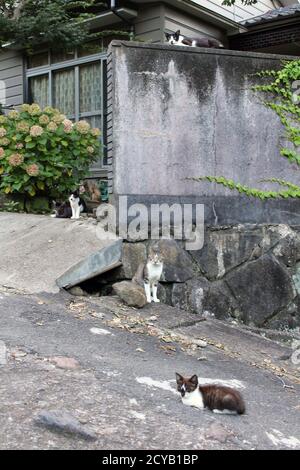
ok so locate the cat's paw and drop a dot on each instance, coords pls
(53, 215)
(157, 301)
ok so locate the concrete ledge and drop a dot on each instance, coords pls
(200, 50)
(95, 264)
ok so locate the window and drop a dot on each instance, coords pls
(75, 85)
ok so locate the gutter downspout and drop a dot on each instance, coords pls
(277, 4)
(114, 10)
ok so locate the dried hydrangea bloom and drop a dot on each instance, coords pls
(96, 132)
(23, 126)
(3, 132)
(83, 127)
(52, 127)
(2, 153)
(44, 119)
(25, 107)
(36, 131)
(34, 109)
(19, 146)
(16, 159)
(5, 141)
(13, 114)
(90, 149)
(32, 170)
(3, 119)
(68, 126)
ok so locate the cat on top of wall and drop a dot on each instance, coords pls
(149, 274)
(216, 398)
(177, 39)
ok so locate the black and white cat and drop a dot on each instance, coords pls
(70, 209)
(218, 399)
(149, 274)
(77, 205)
(177, 39)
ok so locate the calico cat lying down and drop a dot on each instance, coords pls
(216, 398)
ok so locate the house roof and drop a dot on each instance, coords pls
(273, 15)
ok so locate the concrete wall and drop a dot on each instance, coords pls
(181, 112)
(11, 72)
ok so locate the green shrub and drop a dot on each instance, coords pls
(43, 153)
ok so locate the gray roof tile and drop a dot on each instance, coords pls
(273, 15)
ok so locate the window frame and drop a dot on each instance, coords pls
(75, 63)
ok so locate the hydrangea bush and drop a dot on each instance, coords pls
(44, 153)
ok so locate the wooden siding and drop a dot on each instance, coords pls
(189, 25)
(149, 23)
(11, 72)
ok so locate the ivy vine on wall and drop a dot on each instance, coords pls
(282, 95)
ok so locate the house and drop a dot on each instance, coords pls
(75, 82)
(276, 31)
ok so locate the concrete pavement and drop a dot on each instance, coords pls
(37, 249)
(123, 388)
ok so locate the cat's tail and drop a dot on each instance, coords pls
(241, 407)
(242, 410)
(234, 402)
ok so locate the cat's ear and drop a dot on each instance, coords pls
(179, 378)
(168, 35)
(194, 380)
(178, 32)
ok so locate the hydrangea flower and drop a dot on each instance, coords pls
(48, 110)
(19, 146)
(96, 132)
(32, 170)
(22, 126)
(83, 127)
(68, 125)
(3, 132)
(44, 119)
(25, 107)
(3, 119)
(58, 118)
(36, 131)
(2, 153)
(52, 127)
(34, 109)
(13, 114)
(16, 159)
(90, 149)
(4, 141)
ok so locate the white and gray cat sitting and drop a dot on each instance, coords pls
(70, 209)
(177, 39)
(149, 274)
